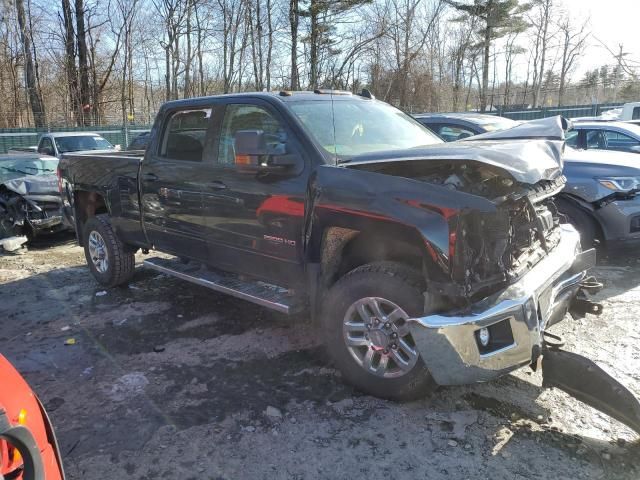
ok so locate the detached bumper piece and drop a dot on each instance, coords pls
(583, 379)
(451, 345)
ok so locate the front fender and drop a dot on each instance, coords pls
(407, 209)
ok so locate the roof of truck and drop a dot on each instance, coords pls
(283, 95)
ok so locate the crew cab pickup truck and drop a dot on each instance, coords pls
(425, 263)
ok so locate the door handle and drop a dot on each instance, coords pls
(217, 185)
(149, 177)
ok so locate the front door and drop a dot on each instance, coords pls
(255, 220)
(171, 185)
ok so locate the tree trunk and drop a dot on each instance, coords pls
(71, 72)
(35, 96)
(81, 38)
(485, 68)
(294, 21)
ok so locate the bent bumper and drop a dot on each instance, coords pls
(517, 316)
(620, 220)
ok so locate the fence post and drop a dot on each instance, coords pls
(126, 135)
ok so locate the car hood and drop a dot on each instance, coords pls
(46, 184)
(529, 152)
(603, 157)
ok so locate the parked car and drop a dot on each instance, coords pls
(28, 445)
(600, 197)
(425, 263)
(56, 144)
(140, 142)
(30, 201)
(619, 136)
(457, 126)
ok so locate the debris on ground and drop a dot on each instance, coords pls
(453, 424)
(12, 244)
(273, 412)
(70, 341)
(101, 293)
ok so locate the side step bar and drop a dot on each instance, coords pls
(266, 295)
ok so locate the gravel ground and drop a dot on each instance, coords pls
(171, 380)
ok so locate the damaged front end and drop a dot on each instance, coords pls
(30, 206)
(512, 272)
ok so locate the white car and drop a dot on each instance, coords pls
(57, 144)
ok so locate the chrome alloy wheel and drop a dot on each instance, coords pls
(377, 335)
(98, 252)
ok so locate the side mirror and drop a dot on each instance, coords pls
(254, 154)
(117, 148)
(635, 149)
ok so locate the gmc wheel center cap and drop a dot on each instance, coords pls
(379, 338)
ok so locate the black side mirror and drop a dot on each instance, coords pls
(254, 154)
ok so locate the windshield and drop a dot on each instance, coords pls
(11, 168)
(79, 143)
(360, 127)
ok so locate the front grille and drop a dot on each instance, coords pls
(497, 248)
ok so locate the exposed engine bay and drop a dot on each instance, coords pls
(488, 250)
(30, 206)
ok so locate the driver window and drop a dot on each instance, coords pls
(571, 138)
(246, 117)
(46, 146)
(596, 139)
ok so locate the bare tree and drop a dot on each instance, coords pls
(33, 89)
(573, 41)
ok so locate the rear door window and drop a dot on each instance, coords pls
(620, 141)
(184, 135)
(636, 113)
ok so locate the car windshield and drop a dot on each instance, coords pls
(15, 167)
(79, 143)
(345, 128)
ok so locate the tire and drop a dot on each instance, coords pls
(398, 285)
(120, 258)
(581, 220)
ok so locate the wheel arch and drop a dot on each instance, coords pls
(87, 204)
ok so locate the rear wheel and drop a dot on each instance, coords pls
(581, 220)
(366, 330)
(111, 262)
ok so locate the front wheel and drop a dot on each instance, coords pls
(111, 262)
(367, 334)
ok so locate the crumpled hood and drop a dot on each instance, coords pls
(529, 152)
(45, 184)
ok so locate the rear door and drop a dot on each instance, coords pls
(171, 183)
(255, 220)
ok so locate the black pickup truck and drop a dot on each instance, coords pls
(425, 263)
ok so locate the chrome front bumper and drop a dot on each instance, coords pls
(448, 342)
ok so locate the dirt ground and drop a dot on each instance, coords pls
(171, 380)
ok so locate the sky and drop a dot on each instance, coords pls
(612, 22)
